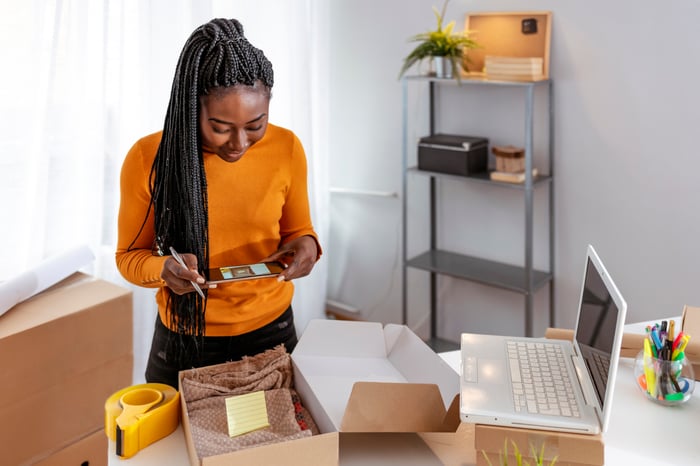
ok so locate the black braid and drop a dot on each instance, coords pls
(216, 55)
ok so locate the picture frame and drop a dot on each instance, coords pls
(522, 35)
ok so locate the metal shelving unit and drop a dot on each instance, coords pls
(524, 279)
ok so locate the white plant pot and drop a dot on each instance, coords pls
(442, 67)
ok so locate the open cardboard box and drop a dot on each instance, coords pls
(374, 392)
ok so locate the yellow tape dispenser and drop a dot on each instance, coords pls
(139, 415)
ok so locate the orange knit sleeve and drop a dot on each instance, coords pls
(135, 258)
(296, 217)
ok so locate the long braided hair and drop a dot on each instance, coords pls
(216, 55)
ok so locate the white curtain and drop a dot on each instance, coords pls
(83, 79)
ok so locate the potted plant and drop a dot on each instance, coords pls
(520, 460)
(446, 48)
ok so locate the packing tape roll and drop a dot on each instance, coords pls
(139, 415)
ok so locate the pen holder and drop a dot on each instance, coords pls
(666, 382)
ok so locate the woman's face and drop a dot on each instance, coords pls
(233, 119)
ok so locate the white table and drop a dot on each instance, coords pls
(640, 432)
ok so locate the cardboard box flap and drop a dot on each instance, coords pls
(394, 407)
(418, 362)
(357, 340)
(71, 295)
(452, 421)
(332, 356)
(319, 450)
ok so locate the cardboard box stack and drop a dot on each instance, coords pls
(379, 395)
(63, 351)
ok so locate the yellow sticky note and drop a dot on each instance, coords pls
(246, 413)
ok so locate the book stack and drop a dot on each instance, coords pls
(517, 177)
(514, 68)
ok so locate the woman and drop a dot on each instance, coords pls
(221, 186)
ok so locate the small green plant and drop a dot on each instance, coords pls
(442, 42)
(536, 457)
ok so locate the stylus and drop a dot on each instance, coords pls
(182, 263)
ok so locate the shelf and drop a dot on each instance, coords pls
(478, 81)
(523, 279)
(481, 178)
(486, 272)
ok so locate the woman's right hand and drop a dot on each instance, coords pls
(179, 278)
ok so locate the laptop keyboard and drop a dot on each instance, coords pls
(602, 363)
(541, 382)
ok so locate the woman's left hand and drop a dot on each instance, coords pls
(300, 255)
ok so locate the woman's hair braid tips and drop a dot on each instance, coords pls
(216, 55)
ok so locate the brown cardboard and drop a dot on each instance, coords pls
(690, 324)
(64, 351)
(453, 448)
(494, 459)
(318, 450)
(412, 414)
(90, 450)
(381, 407)
(499, 34)
(567, 447)
(632, 343)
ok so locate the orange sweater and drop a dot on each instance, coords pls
(255, 204)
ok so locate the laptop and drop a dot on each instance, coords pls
(498, 388)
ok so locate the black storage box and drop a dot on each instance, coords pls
(453, 154)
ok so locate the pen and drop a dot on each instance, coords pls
(649, 368)
(677, 340)
(182, 263)
(681, 347)
(656, 340)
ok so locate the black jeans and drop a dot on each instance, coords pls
(171, 353)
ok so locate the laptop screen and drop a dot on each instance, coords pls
(596, 327)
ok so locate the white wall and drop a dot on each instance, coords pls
(627, 107)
